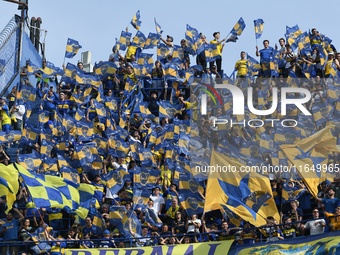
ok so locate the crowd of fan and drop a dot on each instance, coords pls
(177, 225)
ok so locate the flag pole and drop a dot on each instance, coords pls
(155, 25)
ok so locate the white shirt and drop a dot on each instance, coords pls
(157, 201)
(318, 229)
(116, 165)
(19, 112)
(191, 226)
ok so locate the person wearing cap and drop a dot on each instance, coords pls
(4, 115)
(169, 42)
(107, 243)
(39, 76)
(219, 46)
(328, 67)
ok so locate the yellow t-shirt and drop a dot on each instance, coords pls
(131, 76)
(241, 67)
(130, 51)
(219, 46)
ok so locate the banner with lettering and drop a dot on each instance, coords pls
(211, 248)
(312, 245)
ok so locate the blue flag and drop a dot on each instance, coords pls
(72, 48)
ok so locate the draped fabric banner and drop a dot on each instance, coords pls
(210, 248)
(308, 245)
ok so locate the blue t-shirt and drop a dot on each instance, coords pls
(330, 204)
(12, 230)
(107, 244)
(99, 191)
(265, 55)
(89, 244)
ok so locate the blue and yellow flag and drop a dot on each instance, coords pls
(239, 27)
(253, 66)
(310, 156)
(124, 40)
(118, 147)
(70, 74)
(141, 197)
(32, 69)
(158, 28)
(139, 40)
(101, 144)
(86, 192)
(192, 34)
(44, 116)
(191, 71)
(162, 51)
(72, 48)
(100, 110)
(10, 136)
(105, 69)
(152, 218)
(26, 93)
(169, 110)
(99, 223)
(152, 41)
(290, 193)
(51, 191)
(86, 152)
(170, 70)
(292, 33)
(135, 22)
(123, 225)
(322, 112)
(266, 144)
(9, 184)
(46, 148)
(232, 38)
(116, 179)
(211, 52)
(142, 108)
(30, 161)
(303, 41)
(87, 79)
(145, 178)
(29, 134)
(51, 70)
(258, 24)
(248, 195)
(70, 173)
(178, 55)
(117, 213)
(145, 59)
(191, 203)
(84, 130)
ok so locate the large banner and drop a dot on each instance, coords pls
(314, 245)
(210, 248)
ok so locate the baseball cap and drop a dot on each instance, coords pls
(106, 232)
(172, 39)
(331, 53)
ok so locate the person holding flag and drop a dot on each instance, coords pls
(219, 46)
